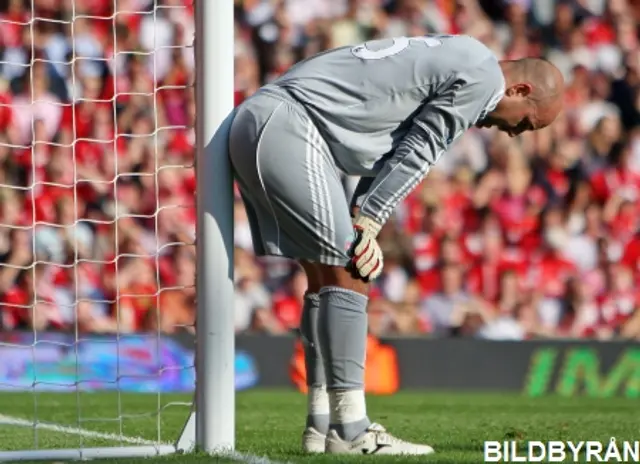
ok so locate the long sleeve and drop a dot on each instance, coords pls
(434, 128)
(364, 184)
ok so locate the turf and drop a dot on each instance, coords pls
(269, 422)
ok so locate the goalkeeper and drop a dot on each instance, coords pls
(386, 111)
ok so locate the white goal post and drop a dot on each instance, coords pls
(210, 426)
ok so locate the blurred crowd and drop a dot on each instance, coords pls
(96, 153)
(536, 236)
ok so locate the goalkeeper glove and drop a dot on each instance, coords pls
(366, 255)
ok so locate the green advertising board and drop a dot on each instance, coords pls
(580, 371)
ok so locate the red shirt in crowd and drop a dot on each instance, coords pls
(622, 181)
(288, 309)
(618, 307)
(518, 218)
(549, 273)
(631, 256)
(484, 277)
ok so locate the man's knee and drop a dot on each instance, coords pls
(336, 276)
(314, 276)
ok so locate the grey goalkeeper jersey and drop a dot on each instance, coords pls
(389, 108)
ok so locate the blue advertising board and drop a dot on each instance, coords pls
(134, 363)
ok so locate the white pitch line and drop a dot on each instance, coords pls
(249, 458)
(18, 422)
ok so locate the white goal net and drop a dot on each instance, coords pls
(97, 226)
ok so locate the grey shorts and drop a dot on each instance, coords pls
(291, 188)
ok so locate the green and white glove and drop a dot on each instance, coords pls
(366, 255)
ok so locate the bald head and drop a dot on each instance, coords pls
(546, 80)
(547, 85)
(534, 92)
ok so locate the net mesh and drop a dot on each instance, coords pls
(97, 214)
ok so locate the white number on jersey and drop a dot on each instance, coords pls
(399, 44)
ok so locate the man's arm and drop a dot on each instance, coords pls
(440, 122)
(364, 184)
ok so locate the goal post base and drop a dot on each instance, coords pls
(187, 441)
(83, 454)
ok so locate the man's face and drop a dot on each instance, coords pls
(513, 126)
(451, 279)
(517, 113)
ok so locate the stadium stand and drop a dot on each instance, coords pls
(537, 236)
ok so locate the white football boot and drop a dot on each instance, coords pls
(374, 440)
(313, 441)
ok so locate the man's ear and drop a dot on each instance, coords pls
(519, 90)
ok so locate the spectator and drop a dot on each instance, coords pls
(251, 295)
(441, 308)
(579, 310)
(380, 314)
(582, 248)
(622, 299)
(505, 324)
(287, 304)
(406, 314)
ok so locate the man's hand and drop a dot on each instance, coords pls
(366, 256)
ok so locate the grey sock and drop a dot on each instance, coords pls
(352, 430)
(309, 331)
(313, 356)
(342, 327)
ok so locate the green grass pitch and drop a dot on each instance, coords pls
(269, 423)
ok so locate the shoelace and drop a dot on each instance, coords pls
(382, 433)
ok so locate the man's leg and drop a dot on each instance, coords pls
(313, 439)
(342, 331)
(342, 328)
